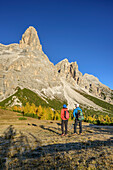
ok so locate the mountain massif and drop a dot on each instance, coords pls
(25, 65)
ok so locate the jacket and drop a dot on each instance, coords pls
(62, 114)
(76, 111)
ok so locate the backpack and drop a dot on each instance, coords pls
(80, 115)
(66, 114)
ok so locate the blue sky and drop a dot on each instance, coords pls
(79, 30)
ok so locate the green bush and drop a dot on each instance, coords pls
(31, 115)
(19, 114)
(22, 118)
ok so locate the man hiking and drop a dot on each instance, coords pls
(77, 115)
(64, 117)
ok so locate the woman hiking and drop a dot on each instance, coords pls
(64, 121)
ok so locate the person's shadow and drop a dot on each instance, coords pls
(41, 126)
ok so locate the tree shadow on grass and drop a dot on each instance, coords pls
(5, 143)
(105, 130)
(100, 128)
(13, 146)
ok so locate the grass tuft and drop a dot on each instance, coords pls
(22, 118)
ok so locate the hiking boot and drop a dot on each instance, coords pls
(74, 133)
(62, 135)
(65, 134)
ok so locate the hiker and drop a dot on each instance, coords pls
(76, 113)
(64, 117)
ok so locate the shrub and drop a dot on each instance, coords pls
(22, 118)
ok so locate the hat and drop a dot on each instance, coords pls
(64, 106)
(77, 105)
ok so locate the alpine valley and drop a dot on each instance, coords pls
(25, 71)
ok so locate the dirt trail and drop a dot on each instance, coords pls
(32, 143)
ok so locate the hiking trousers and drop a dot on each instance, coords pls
(64, 123)
(80, 126)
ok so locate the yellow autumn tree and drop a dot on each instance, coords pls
(57, 116)
(32, 108)
(44, 115)
(39, 111)
(107, 119)
(15, 108)
(100, 118)
(90, 119)
(27, 108)
(47, 114)
(20, 109)
(70, 114)
(50, 114)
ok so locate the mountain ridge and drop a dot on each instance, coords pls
(25, 65)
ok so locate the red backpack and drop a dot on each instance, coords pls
(66, 114)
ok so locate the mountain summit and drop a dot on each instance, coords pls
(25, 65)
(30, 39)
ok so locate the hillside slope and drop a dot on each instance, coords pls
(22, 96)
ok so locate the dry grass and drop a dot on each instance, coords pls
(37, 144)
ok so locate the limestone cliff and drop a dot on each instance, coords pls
(89, 83)
(25, 65)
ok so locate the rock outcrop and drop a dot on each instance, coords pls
(89, 83)
(30, 39)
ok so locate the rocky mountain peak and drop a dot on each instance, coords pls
(30, 39)
(25, 65)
